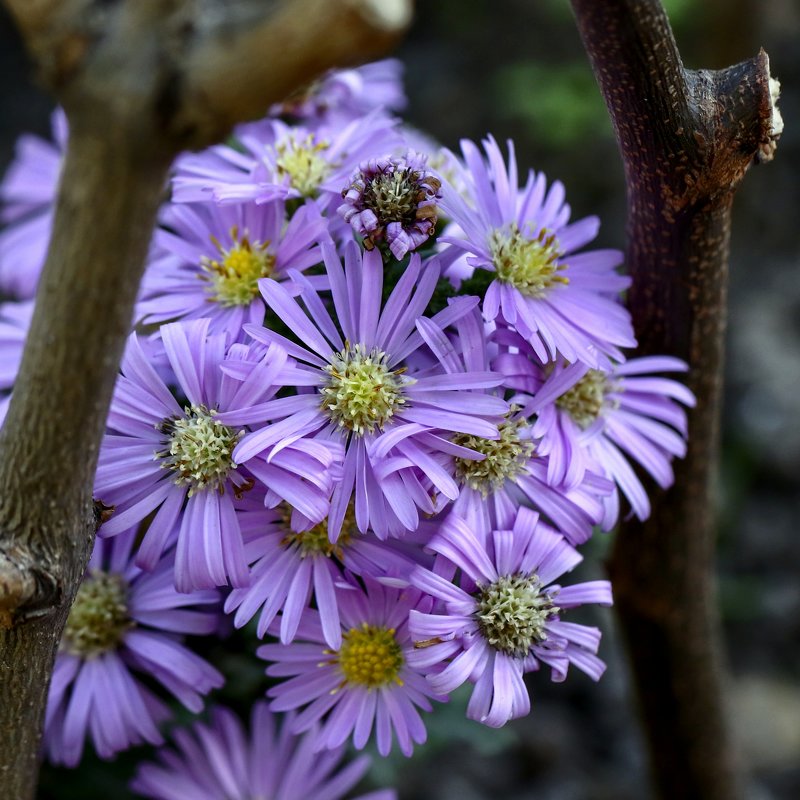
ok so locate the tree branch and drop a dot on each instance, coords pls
(218, 67)
(230, 73)
(687, 138)
(140, 80)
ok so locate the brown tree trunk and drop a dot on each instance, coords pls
(686, 138)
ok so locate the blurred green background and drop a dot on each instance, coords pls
(517, 69)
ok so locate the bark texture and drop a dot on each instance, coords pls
(687, 138)
(140, 80)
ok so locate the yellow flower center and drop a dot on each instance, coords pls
(362, 393)
(200, 449)
(303, 161)
(505, 458)
(315, 541)
(585, 400)
(98, 619)
(233, 278)
(370, 656)
(530, 265)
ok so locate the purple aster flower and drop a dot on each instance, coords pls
(592, 419)
(392, 200)
(219, 761)
(514, 474)
(178, 459)
(368, 681)
(562, 302)
(512, 471)
(503, 618)
(28, 193)
(344, 94)
(125, 621)
(366, 392)
(283, 161)
(209, 262)
(290, 568)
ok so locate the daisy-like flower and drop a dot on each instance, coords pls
(178, 458)
(344, 94)
(125, 622)
(367, 393)
(368, 681)
(563, 302)
(209, 261)
(504, 617)
(393, 200)
(283, 161)
(593, 419)
(28, 194)
(512, 471)
(292, 568)
(220, 761)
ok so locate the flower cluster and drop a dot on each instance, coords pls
(376, 395)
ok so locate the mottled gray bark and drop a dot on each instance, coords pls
(686, 137)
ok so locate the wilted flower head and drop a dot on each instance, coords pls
(393, 200)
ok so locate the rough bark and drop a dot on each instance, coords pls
(140, 80)
(687, 138)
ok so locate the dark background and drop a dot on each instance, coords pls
(517, 69)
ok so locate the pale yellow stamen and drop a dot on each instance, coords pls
(505, 458)
(531, 265)
(233, 278)
(199, 449)
(512, 613)
(362, 393)
(303, 161)
(370, 656)
(585, 400)
(98, 619)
